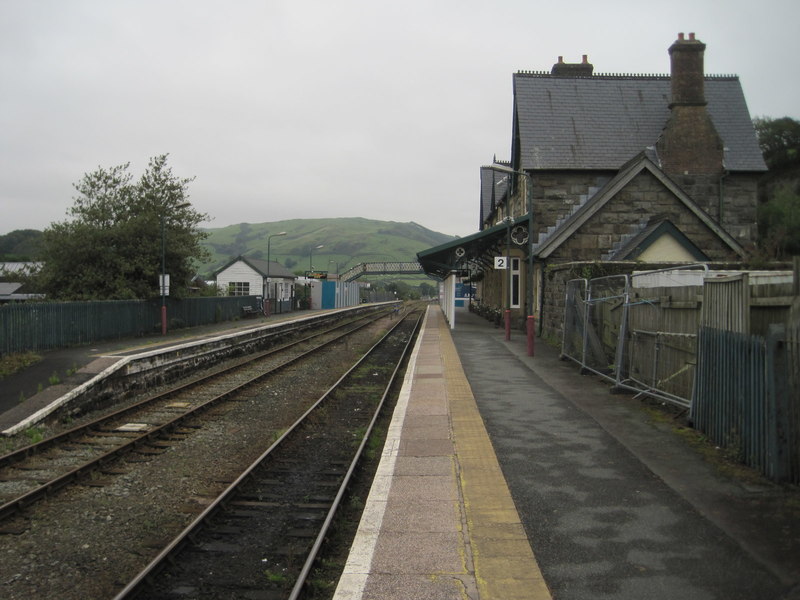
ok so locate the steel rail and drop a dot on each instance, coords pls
(135, 586)
(37, 447)
(312, 557)
(12, 507)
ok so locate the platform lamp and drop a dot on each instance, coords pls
(311, 256)
(508, 220)
(163, 282)
(267, 306)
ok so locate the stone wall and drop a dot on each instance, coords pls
(740, 206)
(556, 193)
(643, 199)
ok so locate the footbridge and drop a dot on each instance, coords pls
(382, 268)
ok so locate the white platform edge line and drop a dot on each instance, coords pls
(356, 570)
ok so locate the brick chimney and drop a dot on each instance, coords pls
(581, 69)
(689, 144)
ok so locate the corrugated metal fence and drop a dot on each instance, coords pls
(747, 391)
(747, 397)
(48, 325)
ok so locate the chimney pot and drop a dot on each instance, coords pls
(691, 36)
(564, 69)
(680, 36)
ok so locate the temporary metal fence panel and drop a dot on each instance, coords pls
(642, 340)
(662, 364)
(574, 320)
(662, 343)
(604, 325)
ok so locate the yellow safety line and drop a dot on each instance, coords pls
(505, 567)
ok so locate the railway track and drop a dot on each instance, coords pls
(148, 426)
(260, 536)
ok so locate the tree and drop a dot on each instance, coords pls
(779, 140)
(779, 224)
(779, 189)
(111, 247)
(426, 290)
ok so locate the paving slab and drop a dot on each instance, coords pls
(440, 522)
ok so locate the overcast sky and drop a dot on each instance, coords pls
(287, 109)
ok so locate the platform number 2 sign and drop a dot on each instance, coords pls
(500, 262)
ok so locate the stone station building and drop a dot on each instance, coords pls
(612, 168)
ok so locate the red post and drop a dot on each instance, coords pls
(163, 319)
(508, 324)
(531, 328)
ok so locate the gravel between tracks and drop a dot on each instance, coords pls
(89, 540)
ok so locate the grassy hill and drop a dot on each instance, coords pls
(346, 242)
(20, 245)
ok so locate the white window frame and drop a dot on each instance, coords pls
(516, 287)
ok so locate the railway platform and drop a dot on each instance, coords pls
(61, 371)
(440, 522)
(506, 476)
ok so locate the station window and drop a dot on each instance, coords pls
(515, 291)
(239, 288)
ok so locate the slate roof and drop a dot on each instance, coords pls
(494, 186)
(275, 269)
(602, 121)
(6, 289)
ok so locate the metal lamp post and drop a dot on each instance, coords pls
(311, 268)
(311, 256)
(163, 282)
(267, 306)
(508, 221)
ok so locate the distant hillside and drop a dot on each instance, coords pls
(20, 245)
(346, 241)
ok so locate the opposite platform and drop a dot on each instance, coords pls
(439, 522)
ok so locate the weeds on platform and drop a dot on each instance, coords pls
(12, 363)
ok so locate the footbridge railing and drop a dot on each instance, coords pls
(381, 268)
